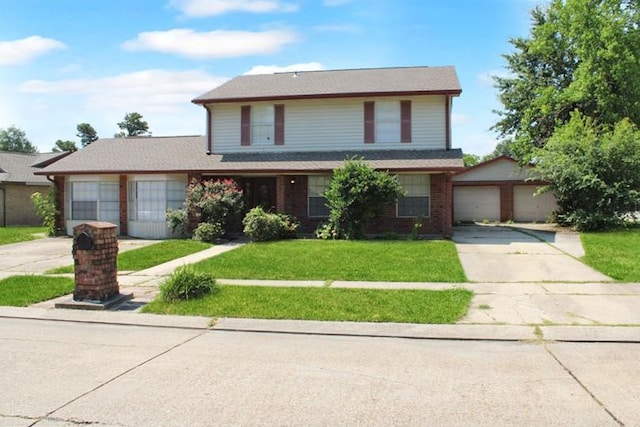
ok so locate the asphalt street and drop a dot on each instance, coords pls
(69, 373)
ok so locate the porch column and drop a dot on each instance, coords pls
(281, 186)
(447, 214)
(124, 207)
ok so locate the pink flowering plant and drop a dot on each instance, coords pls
(214, 202)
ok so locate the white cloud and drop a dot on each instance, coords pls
(213, 44)
(203, 8)
(270, 69)
(149, 90)
(21, 51)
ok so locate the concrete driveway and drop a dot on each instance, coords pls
(38, 256)
(508, 254)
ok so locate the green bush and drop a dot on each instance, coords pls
(178, 221)
(45, 207)
(185, 283)
(208, 232)
(263, 226)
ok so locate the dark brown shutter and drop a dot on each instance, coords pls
(369, 122)
(405, 121)
(245, 125)
(278, 114)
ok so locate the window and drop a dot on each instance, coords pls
(387, 121)
(417, 200)
(94, 201)
(149, 200)
(262, 119)
(317, 201)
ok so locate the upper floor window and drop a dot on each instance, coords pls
(387, 121)
(417, 200)
(317, 202)
(262, 124)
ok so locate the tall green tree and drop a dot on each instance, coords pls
(133, 125)
(64, 146)
(86, 133)
(580, 55)
(14, 139)
(594, 171)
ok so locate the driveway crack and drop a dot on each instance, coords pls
(584, 387)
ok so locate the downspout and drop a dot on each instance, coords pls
(209, 136)
(448, 122)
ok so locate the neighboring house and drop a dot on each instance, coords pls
(18, 183)
(280, 136)
(500, 190)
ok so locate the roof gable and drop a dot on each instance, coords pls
(502, 168)
(20, 167)
(336, 83)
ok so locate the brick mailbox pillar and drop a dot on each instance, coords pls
(95, 258)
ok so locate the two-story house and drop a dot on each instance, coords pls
(280, 136)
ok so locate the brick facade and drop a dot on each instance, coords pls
(124, 207)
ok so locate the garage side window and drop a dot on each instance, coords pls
(417, 200)
(317, 202)
(151, 199)
(94, 201)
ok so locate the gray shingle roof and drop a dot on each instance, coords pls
(358, 82)
(19, 167)
(182, 154)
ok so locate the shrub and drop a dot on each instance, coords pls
(185, 283)
(208, 232)
(178, 221)
(263, 226)
(356, 195)
(215, 202)
(45, 207)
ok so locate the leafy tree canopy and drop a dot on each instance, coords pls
(86, 133)
(133, 125)
(581, 55)
(14, 139)
(64, 146)
(594, 171)
(470, 159)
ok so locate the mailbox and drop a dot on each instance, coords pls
(84, 241)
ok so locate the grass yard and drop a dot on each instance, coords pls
(22, 291)
(395, 261)
(20, 234)
(360, 305)
(149, 256)
(614, 253)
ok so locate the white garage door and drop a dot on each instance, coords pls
(476, 203)
(529, 208)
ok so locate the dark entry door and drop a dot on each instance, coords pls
(260, 192)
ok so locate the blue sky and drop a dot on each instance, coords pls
(63, 62)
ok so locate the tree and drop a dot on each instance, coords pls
(64, 146)
(86, 133)
(470, 159)
(14, 139)
(356, 195)
(503, 148)
(594, 171)
(581, 55)
(133, 125)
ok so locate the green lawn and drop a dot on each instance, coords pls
(149, 256)
(395, 261)
(21, 291)
(614, 253)
(361, 305)
(20, 234)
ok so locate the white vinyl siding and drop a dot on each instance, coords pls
(332, 124)
(316, 200)
(416, 202)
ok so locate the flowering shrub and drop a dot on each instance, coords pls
(214, 202)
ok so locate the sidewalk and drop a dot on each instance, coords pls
(499, 311)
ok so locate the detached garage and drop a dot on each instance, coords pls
(500, 190)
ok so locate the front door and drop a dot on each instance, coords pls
(260, 192)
